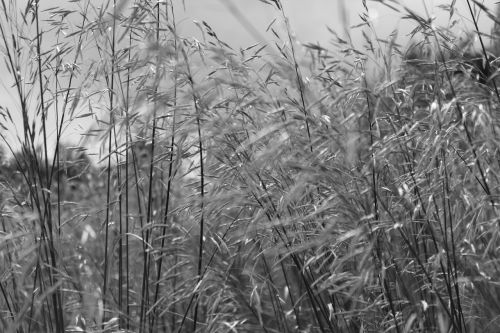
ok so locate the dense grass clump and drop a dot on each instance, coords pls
(277, 188)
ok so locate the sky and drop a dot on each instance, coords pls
(309, 19)
(241, 23)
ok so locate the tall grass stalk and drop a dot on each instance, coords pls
(279, 187)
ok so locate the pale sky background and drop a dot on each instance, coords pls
(308, 20)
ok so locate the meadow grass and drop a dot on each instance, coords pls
(275, 188)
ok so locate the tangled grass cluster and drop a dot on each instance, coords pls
(277, 188)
